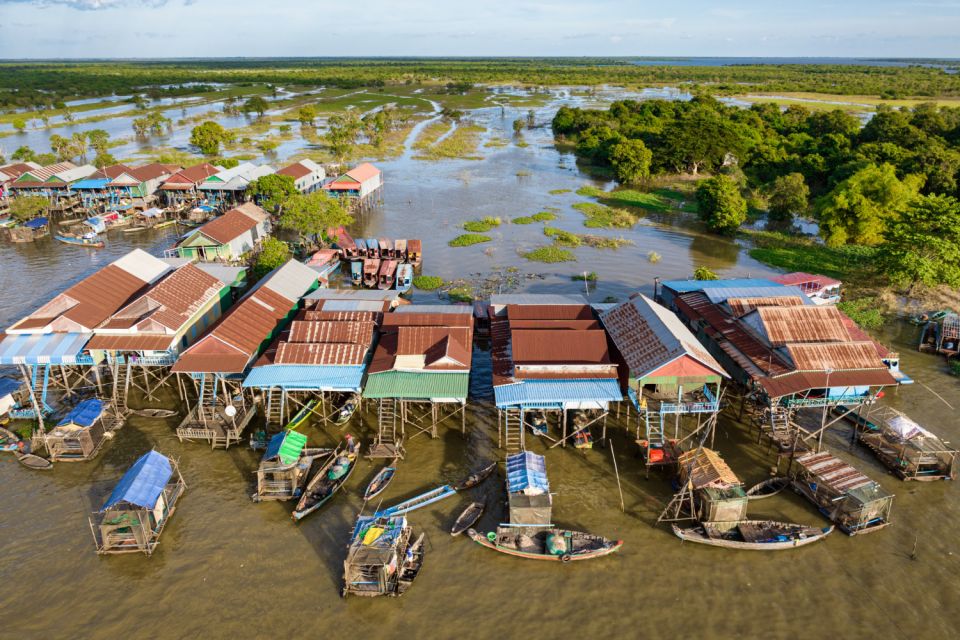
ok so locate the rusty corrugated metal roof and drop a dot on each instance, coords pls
(530, 346)
(325, 353)
(332, 331)
(836, 356)
(549, 312)
(228, 227)
(783, 325)
(341, 316)
(427, 319)
(134, 342)
(743, 306)
(573, 325)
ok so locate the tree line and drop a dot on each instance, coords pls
(892, 183)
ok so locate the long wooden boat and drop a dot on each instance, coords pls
(476, 478)
(326, 482)
(137, 228)
(361, 251)
(467, 518)
(387, 275)
(411, 566)
(89, 243)
(414, 252)
(348, 409)
(373, 248)
(356, 272)
(767, 488)
(404, 277)
(164, 224)
(386, 248)
(754, 535)
(400, 249)
(33, 462)
(418, 502)
(302, 415)
(379, 482)
(371, 267)
(557, 545)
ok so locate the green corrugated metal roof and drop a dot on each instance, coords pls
(415, 385)
(292, 446)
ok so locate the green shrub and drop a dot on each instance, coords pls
(561, 237)
(704, 273)
(864, 311)
(954, 367)
(468, 239)
(544, 216)
(482, 225)
(460, 294)
(600, 216)
(427, 283)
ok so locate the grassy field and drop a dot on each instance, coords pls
(792, 253)
(462, 144)
(828, 101)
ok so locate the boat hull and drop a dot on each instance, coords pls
(696, 534)
(609, 546)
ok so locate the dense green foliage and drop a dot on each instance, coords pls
(273, 253)
(550, 254)
(23, 208)
(864, 311)
(272, 191)
(923, 244)
(481, 226)
(313, 213)
(802, 253)
(704, 273)
(722, 207)
(788, 196)
(467, 239)
(858, 209)
(208, 137)
(427, 283)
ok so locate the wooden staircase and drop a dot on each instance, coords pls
(513, 435)
(387, 444)
(276, 400)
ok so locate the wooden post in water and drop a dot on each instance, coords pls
(617, 473)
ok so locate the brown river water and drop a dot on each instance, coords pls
(229, 568)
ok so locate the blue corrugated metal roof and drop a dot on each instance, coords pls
(42, 348)
(684, 286)
(143, 483)
(90, 183)
(319, 378)
(526, 471)
(8, 386)
(36, 223)
(84, 414)
(541, 392)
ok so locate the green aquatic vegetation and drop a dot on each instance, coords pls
(605, 242)
(427, 283)
(795, 253)
(585, 277)
(557, 192)
(523, 220)
(599, 216)
(562, 238)
(482, 225)
(550, 254)
(653, 257)
(468, 239)
(864, 311)
(460, 294)
(544, 216)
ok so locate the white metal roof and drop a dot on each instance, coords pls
(292, 280)
(141, 264)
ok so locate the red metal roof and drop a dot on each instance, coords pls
(427, 320)
(363, 172)
(130, 342)
(189, 177)
(229, 226)
(332, 331)
(326, 353)
(295, 171)
(804, 280)
(344, 316)
(532, 346)
(549, 312)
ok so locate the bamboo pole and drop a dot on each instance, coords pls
(617, 474)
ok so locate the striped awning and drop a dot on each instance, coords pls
(42, 348)
(536, 393)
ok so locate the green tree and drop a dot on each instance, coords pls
(342, 132)
(307, 115)
(858, 209)
(704, 273)
(272, 191)
(61, 147)
(630, 160)
(517, 126)
(24, 154)
(99, 140)
(923, 244)
(208, 137)
(788, 196)
(19, 124)
(24, 208)
(273, 253)
(720, 204)
(78, 146)
(256, 105)
(104, 159)
(313, 213)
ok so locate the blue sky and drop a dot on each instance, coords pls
(183, 28)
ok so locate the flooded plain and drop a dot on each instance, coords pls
(229, 568)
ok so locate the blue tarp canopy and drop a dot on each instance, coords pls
(143, 483)
(90, 183)
(152, 212)
(42, 348)
(527, 472)
(543, 394)
(685, 286)
(306, 377)
(8, 386)
(36, 223)
(84, 414)
(96, 223)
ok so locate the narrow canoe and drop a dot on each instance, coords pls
(767, 488)
(379, 482)
(321, 487)
(755, 535)
(533, 545)
(34, 462)
(467, 518)
(154, 413)
(302, 415)
(388, 274)
(475, 478)
(413, 562)
(81, 242)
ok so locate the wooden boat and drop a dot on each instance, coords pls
(136, 228)
(379, 482)
(387, 275)
(346, 244)
(164, 224)
(33, 462)
(155, 413)
(418, 502)
(414, 252)
(373, 248)
(361, 250)
(404, 277)
(767, 488)
(79, 241)
(301, 416)
(386, 248)
(327, 481)
(475, 478)
(371, 267)
(9, 441)
(412, 563)
(348, 409)
(754, 535)
(400, 249)
(356, 272)
(536, 543)
(467, 518)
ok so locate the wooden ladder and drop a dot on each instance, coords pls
(513, 436)
(274, 408)
(654, 421)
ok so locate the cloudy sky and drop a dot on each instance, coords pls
(186, 28)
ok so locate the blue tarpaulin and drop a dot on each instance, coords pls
(143, 483)
(96, 223)
(152, 212)
(84, 414)
(36, 223)
(8, 386)
(527, 472)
